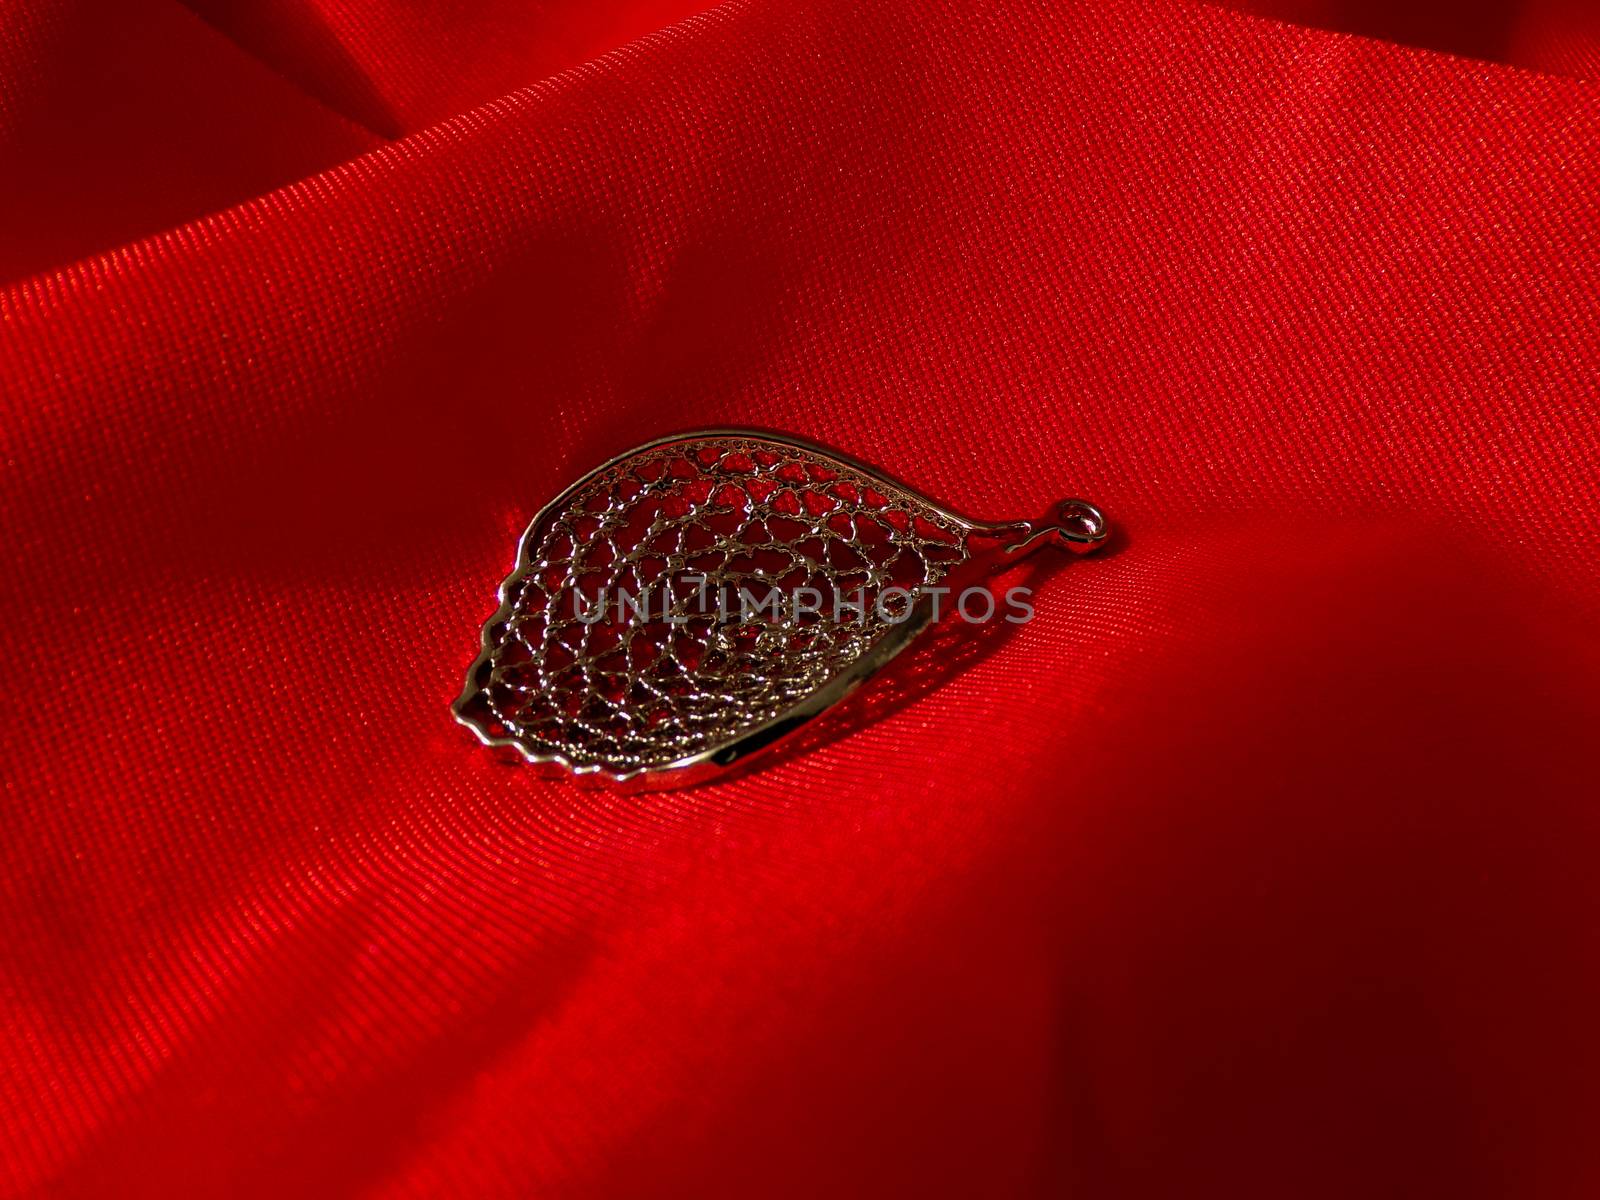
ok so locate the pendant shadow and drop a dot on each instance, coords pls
(938, 655)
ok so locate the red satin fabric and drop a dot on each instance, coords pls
(1261, 863)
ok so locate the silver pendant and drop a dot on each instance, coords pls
(699, 599)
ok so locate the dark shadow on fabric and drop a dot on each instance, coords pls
(294, 41)
(1471, 28)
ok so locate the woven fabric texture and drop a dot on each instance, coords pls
(1259, 863)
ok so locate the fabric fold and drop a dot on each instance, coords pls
(1257, 864)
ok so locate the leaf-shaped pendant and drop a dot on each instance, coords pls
(696, 600)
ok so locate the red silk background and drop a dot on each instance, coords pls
(1260, 863)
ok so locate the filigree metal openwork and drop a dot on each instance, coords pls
(698, 599)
